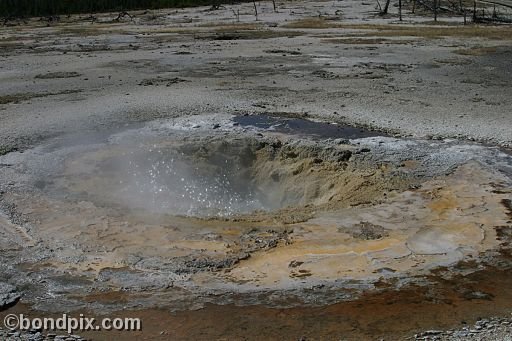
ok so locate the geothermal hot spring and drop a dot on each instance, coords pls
(246, 210)
(204, 177)
(186, 182)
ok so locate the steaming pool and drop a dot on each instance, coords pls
(232, 208)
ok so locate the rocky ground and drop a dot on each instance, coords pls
(35, 335)
(493, 328)
(319, 173)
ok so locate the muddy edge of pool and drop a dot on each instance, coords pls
(392, 314)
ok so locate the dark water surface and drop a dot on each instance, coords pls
(300, 126)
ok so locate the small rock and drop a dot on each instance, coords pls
(341, 141)
(8, 295)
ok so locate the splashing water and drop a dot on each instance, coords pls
(166, 181)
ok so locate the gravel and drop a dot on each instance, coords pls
(35, 335)
(493, 328)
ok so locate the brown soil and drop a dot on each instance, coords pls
(391, 314)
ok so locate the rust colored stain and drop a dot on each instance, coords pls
(391, 314)
(443, 203)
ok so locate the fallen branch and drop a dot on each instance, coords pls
(122, 15)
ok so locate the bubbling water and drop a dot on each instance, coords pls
(168, 181)
(207, 177)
